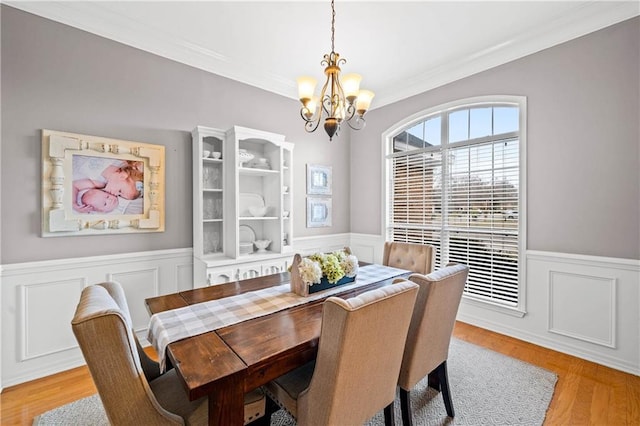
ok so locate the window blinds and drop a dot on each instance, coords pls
(462, 198)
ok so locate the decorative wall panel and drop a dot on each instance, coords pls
(46, 310)
(583, 307)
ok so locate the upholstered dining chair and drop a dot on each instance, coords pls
(150, 367)
(104, 332)
(359, 353)
(427, 346)
(417, 258)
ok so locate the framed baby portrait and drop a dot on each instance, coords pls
(94, 185)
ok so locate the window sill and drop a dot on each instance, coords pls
(485, 304)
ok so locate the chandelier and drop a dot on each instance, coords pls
(340, 99)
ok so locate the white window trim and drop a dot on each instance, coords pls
(521, 102)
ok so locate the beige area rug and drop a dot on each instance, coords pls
(487, 388)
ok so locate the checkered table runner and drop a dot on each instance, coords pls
(176, 324)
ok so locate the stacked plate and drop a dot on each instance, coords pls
(262, 163)
(247, 237)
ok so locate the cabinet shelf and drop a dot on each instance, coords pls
(211, 190)
(257, 253)
(257, 172)
(258, 218)
(212, 160)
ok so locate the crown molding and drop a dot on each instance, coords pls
(96, 19)
(585, 19)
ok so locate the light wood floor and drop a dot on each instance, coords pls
(586, 393)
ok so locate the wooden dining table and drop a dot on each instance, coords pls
(226, 363)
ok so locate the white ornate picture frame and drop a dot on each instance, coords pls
(319, 179)
(318, 212)
(59, 218)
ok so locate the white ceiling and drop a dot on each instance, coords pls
(400, 48)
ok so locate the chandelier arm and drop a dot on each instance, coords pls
(358, 123)
(311, 126)
(351, 112)
(304, 116)
(326, 105)
(323, 99)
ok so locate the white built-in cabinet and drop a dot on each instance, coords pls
(225, 189)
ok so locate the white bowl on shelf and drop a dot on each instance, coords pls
(205, 153)
(216, 155)
(258, 211)
(285, 189)
(262, 245)
(244, 156)
(285, 214)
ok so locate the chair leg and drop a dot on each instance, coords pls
(433, 380)
(443, 378)
(405, 407)
(389, 415)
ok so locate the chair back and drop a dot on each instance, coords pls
(359, 356)
(419, 258)
(104, 333)
(432, 323)
(150, 367)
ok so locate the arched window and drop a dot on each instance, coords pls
(455, 180)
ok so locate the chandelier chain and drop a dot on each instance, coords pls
(333, 24)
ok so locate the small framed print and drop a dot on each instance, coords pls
(318, 212)
(93, 185)
(318, 179)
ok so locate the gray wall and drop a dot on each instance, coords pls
(60, 78)
(583, 142)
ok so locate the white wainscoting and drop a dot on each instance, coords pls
(586, 306)
(321, 243)
(581, 305)
(368, 248)
(39, 300)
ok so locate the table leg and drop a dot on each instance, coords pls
(226, 403)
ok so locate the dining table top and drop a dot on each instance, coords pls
(232, 360)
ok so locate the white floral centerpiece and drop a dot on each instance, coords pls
(321, 271)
